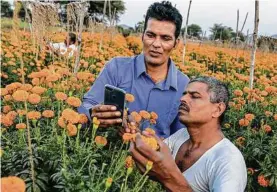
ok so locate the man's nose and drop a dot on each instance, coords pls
(184, 98)
(157, 42)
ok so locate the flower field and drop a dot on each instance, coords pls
(44, 143)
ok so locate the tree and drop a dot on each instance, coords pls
(139, 27)
(6, 10)
(221, 32)
(193, 30)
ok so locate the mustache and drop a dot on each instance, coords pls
(184, 106)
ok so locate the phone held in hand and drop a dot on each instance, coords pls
(115, 96)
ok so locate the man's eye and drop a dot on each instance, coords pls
(195, 96)
(150, 35)
(167, 38)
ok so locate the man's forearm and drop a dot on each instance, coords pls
(178, 183)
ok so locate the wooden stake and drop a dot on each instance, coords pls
(185, 34)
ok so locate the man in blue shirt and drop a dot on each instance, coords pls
(151, 77)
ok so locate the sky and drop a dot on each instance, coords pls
(207, 12)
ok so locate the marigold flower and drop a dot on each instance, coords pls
(71, 130)
(95, 121)
(275, 117)
(34, 115)
(153, 121)
(150, 131)
(21, 126)
(263, 181)
(154, 115)
(129, 98)
(129, 162)
(100, 141)
(268, 113)
(61, 122)
(243, 122)
(20, 95)
(264, 93)
(267, 128)
(83, 118)
(128, 137)
(151, 141)
(136, 116)
(12, 184)
(238, 93)
(7, 108)
(12, 115)
(132, 126)
(48, 113)
(35, 81)
(6, 120)
(144, 114)
(60, 96)
(246, 89)
(21, 112)
(34, 98)
(3, 92)
(38, 90)
(73, 101)
(240, 141)
(26, 87)
(70, 116)
(249, 116)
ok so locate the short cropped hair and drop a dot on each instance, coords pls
(164, 11)
(72, 37)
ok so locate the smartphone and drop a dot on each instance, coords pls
(115, 96)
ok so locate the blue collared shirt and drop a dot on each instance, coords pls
(129, 74)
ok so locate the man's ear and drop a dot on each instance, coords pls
(219, 109)
(176, 43)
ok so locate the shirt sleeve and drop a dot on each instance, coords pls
(96, 93)
(230, 176)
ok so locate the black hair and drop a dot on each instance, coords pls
(72, 37)
(164, 11)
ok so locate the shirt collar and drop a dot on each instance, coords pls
(171, 80)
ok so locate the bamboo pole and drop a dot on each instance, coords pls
(237, 35)
(102, 31)
(254, 48)
(244, 22)
(185, 34)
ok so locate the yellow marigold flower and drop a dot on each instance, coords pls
(21, 126)
(73, 101)
(100, 141)
(151, 141)
(61, 122)
(20, 95)
(83, 118)
(61, 96)
(38, 90)
(34, 115)
(70, 116)
(48, 113)
(129, 162)
(129, 98)
(34, 99)
(12, 184)
(95, 121)
(144, 114)
(154, 115)
(71, 129)
(150, 131)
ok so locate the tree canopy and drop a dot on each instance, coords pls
(193, 30)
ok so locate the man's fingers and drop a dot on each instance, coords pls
(110, 121)
(138, 157)
(103, 115)
(146, 150)
(103, 108)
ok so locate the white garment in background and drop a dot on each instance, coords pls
(62, 48)
(220, 169)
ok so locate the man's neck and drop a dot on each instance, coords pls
(157, 72)
(205, 136)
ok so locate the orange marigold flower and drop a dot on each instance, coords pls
(150, 131)
(61, 122)
(144, 114)
(267, 128)
(246, 89)
(35, 81)
(128, 137)
(12, 115)
(154, 115)
(153, 121)
(100, 141)
(268, 113)
(6, 120)
(73, 101)
(136, 116)
(263, 181)
(108, 182)
(71, 130)
(132, 126)
(48, 113)
(70, 116)
(249, 116)
(20, 95)
(21, 126)
(83, 118)
(151, 141)
(275, 117)
(34, 115)
(238, 93)
(240, 141)
(3, 92)
(34, 98)
(21, 112)
(7, 108)
(264, 93)
(244, 122)
(38, 90)
(129, 98)
(61, 96)
(26, 87)
(12, 184)
(129, 162)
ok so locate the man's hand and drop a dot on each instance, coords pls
(129, 126)
(107, 115)
(164, 168)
